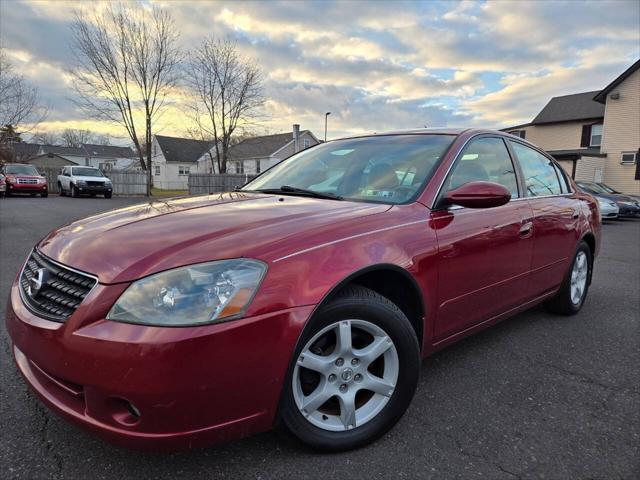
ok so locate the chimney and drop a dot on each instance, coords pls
(296, 138)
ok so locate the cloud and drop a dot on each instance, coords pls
(374, 65)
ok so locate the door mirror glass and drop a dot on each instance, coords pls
(478, 195)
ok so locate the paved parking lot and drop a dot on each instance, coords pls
(538, 396)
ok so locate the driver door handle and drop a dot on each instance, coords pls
(526, 229)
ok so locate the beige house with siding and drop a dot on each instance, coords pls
(595, 136)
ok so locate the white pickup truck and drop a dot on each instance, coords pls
(84, 180)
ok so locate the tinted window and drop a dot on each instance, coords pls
(539, 173)
(486, 160)
(385, 169)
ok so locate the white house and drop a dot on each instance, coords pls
(174, 158)
(256, 154)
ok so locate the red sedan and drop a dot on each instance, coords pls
(24, 178)
(307, 299)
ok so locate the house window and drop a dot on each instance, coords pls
(596, 135)
(306, 143)
(156, 170)
(239, 167)
(629, 157)
(519, 133)
(183, 170)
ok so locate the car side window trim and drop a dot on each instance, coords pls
(557, 168)
(459, 154)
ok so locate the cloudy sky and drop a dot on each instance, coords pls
(376, 65)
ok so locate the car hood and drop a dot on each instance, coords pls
(90, 179)
(127, 244)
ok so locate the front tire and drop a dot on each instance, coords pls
(73, 191)
(107, 195)
(574, 288)
(362, 364)
(62, 192)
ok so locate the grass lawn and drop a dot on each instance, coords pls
(158, 193)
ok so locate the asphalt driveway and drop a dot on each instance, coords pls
(538, 396)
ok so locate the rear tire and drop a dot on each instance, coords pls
(573, 290)
(352, 414)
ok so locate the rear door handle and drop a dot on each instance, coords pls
(526, 229)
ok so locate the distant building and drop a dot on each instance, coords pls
(595, 136)
(256, 154)
(105, 157)
(174, 158)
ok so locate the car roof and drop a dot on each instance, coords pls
(434, 131)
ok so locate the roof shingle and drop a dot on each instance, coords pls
(182, 150)
(579, 106)
(260, 147)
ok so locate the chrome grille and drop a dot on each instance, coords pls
(30, 181)
(95, 184)
(51, 290)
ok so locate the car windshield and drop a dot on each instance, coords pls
(591, 188)
(607, 188)
(87, 172)
(21, 170)
(388, 169)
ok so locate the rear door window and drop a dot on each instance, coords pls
(540, 175)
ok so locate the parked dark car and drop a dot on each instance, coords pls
(608, 189)
(307, 299)
(629, 206)
(24, 178)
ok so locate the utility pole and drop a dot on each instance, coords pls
(326, 115)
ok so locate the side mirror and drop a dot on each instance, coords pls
(478, 195)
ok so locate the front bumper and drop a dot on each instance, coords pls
(188, 386)
(94, 189)
(27, 188)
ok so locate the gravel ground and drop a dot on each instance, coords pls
(538, 396)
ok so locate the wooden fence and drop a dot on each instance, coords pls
(124, 182)
(200, 183)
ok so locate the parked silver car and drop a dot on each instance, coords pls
(608, 208)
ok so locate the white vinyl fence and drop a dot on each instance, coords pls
(200, 183)
(124, 182)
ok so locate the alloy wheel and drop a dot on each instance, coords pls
(345, 375)
(579, 277)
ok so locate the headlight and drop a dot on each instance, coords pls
(193, 295)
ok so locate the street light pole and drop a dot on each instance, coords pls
(326, 115)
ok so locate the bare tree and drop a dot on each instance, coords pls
(45, 138)
(72, 137)
(19, 102)
(225, 94)
(125, 68)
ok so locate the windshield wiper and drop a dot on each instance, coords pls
(288, 189)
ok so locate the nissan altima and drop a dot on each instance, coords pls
(305, 300)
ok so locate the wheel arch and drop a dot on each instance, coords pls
(590, 239)
(392, 282)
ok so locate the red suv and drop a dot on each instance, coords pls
(24, 178)
(306, 299)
